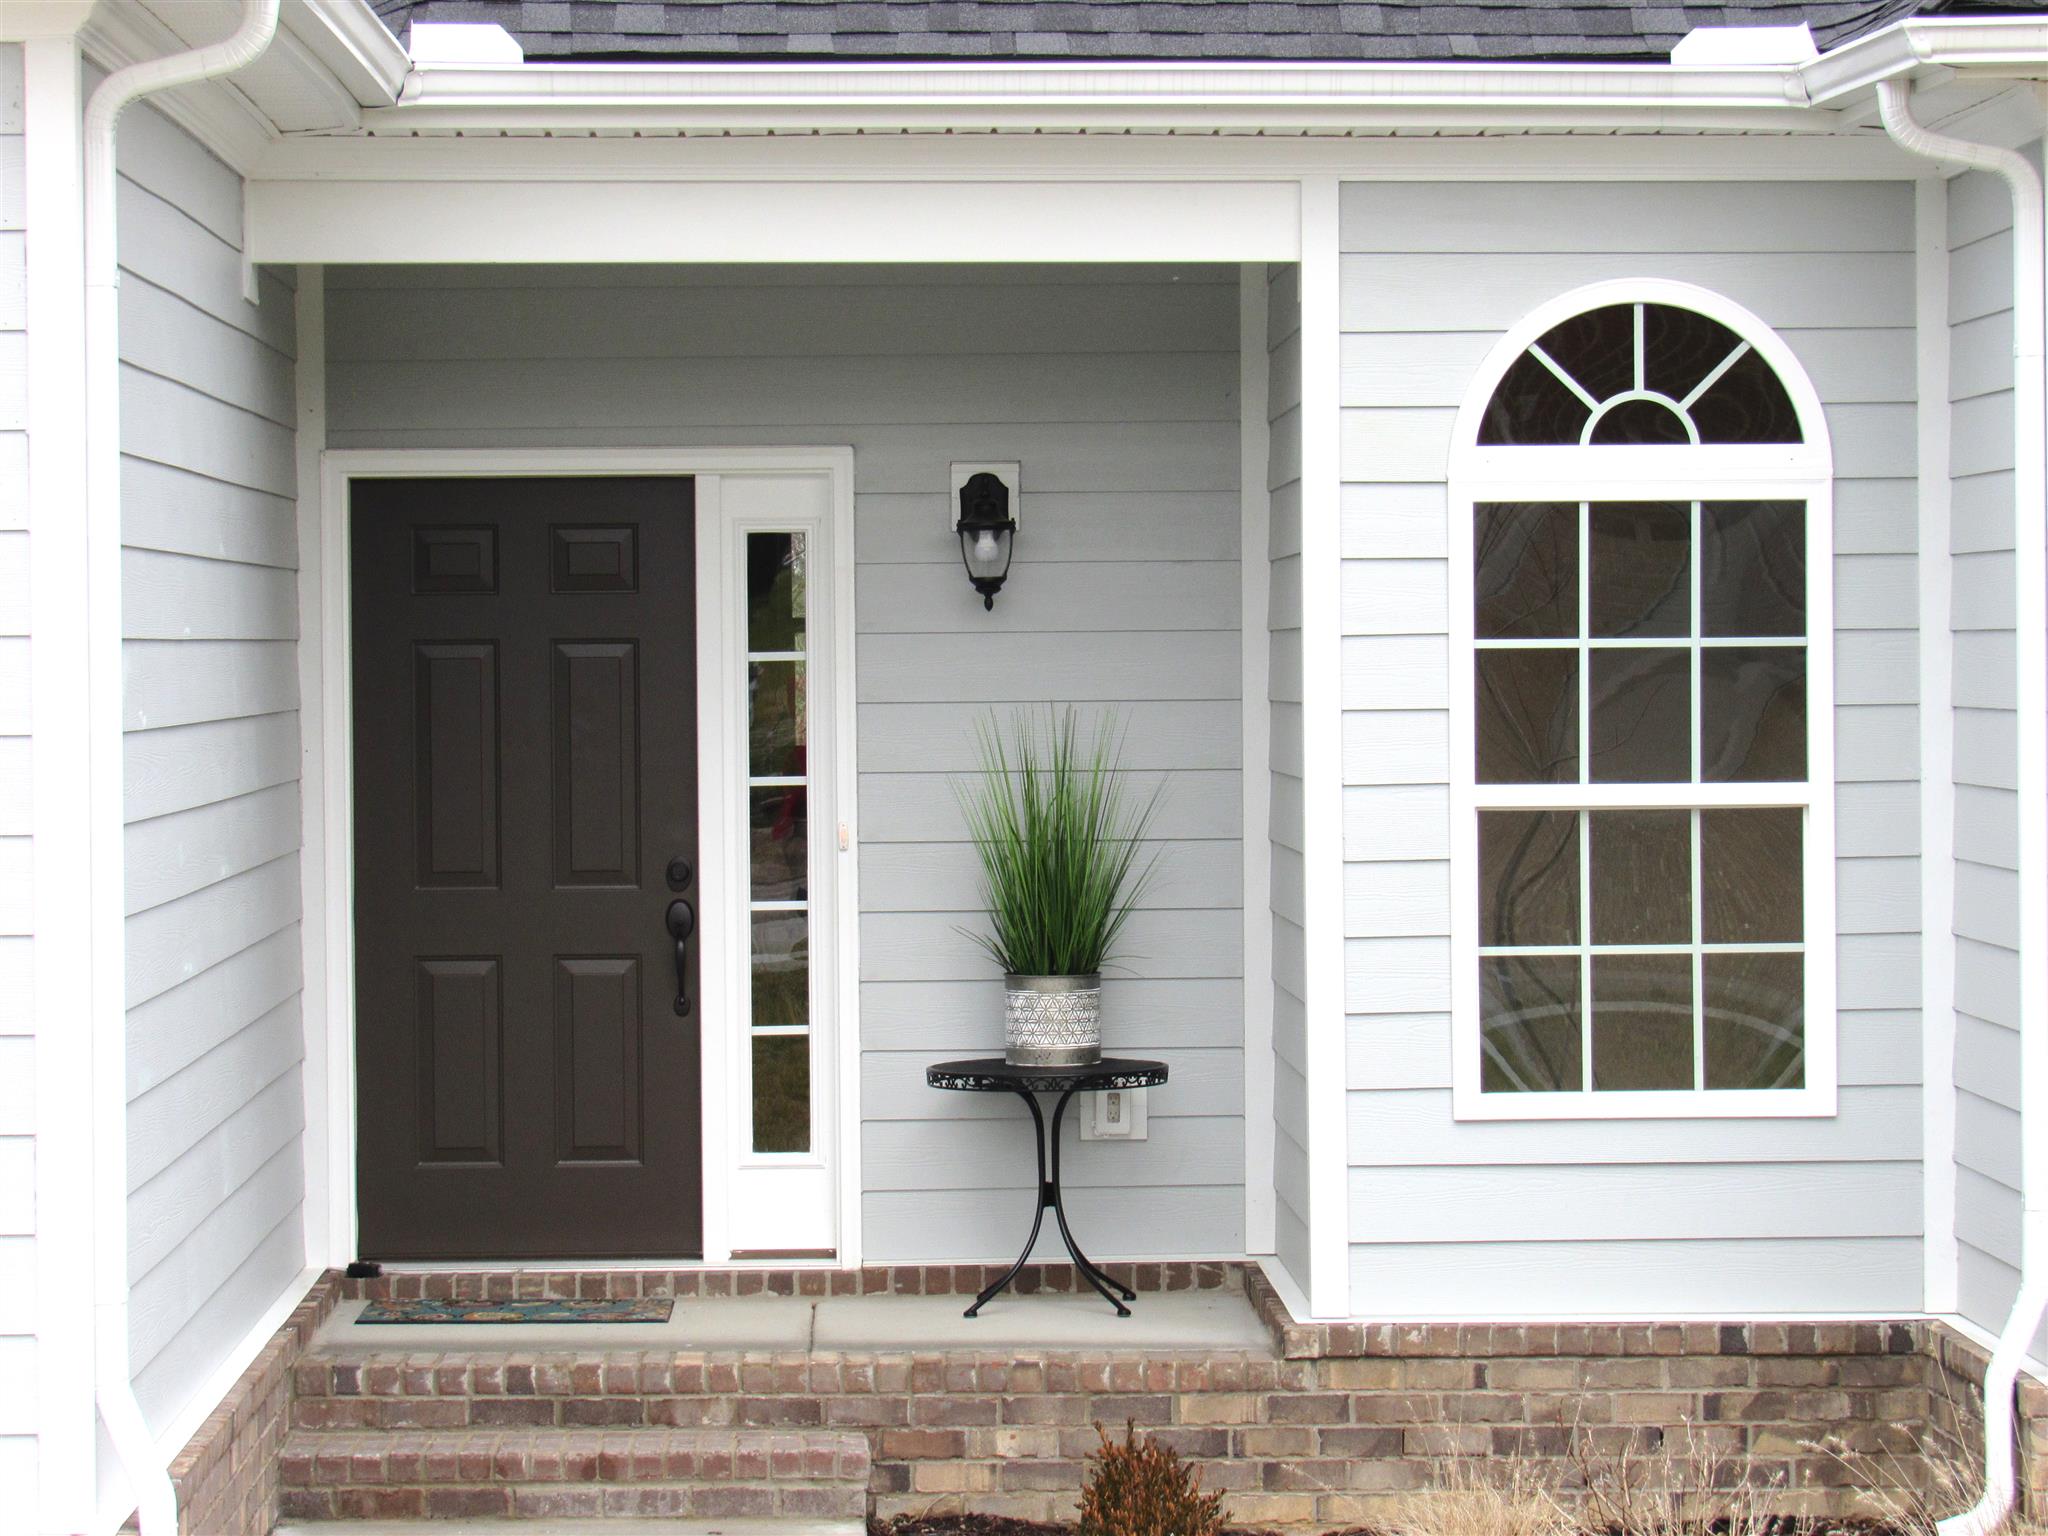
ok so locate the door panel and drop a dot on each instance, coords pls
(525, 771)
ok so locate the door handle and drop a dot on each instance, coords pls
(682, 922)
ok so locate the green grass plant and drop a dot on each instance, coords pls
(1059, 827)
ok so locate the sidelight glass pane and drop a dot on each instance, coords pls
(1528, 716)
(1641, 569)
(1755, 1020)
(1525, 569)
(1528, 877)
(781, 969)
(776, 727)
(782, 1093)
(1753, 568)
(1642, 877)
(1752, 876)
(1752, 714)
(1642, 1022)
(775, 591)
(1529, 1024)
(779, 840)
(1642, 716)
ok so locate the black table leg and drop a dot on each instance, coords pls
(1049, 1199)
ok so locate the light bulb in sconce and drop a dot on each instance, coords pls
(986, 548)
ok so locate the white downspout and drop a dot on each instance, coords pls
(113, 1386)
(2030, 631)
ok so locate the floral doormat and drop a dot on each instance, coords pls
(645, 1309)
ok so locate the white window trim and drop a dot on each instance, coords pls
(331, 1116)
(1776, 471)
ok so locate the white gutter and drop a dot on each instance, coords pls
(1197, 95)
(114, 1388)
(2030, 630)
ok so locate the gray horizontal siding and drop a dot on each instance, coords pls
(212, 763)
(1526, 1217)
(17, 942)
(1116, 389)
(1987, 1171)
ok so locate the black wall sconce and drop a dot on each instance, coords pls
(988, 533)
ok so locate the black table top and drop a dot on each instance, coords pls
(992, 1074)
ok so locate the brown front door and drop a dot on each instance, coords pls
(526, 834)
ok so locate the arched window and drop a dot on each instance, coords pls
(1641, 684)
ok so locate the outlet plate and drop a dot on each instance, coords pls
(1126, 1104)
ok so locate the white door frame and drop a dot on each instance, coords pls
(327, 723)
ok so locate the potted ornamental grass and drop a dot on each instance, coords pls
(1059, 828)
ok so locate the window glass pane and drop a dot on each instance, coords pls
(1529, 1024)
(1752, 876)
(1532, 405)
(1752, 714)
(1642, 716)
(1642, 877)
(782, 968)
(775, 591)
(1755, 1020)
(1528, 717)
(1528, 877)
(1641, 569)
(776, 713)
(1681, 347)
(782, 1093)
(780, 843)
(1596, 347)
(1526, 571)
(1640, 421)
(1746, 404)
(1642, 1022)
(1753, 568)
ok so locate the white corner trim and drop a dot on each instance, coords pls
(1937, 753)
(1322, 696)
(1255, 573)
(337, 468)
(61, 818)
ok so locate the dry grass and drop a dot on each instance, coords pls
(1482, 1498)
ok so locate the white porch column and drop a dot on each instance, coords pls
(1322, 706)
(59, 760)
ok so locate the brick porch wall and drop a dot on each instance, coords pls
(1330, 1429)
(226, 1477)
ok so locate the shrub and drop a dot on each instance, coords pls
(1141, 1488)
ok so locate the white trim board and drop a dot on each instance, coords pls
(1255, 595)
(334, 1113)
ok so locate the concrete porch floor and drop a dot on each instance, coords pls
(1207, 1320)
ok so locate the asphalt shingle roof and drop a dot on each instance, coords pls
(1387, 30)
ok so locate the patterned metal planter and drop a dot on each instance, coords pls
(1052, 1021)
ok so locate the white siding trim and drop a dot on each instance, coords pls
(1940, 1251)
(59, 751)
(323, 949)
(1255, 577)
(1322, 688)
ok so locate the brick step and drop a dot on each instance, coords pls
(574, 1474)
(752, 1389)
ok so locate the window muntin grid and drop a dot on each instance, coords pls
(1655, 955)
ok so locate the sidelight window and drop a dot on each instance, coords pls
(1643, 868)
(778, 842)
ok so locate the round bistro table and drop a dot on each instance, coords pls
(992, 1074)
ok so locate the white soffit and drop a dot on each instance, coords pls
(1732, 47)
